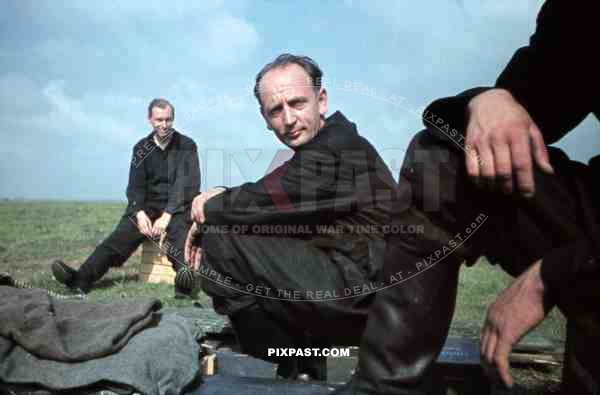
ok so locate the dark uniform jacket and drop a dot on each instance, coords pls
(163, 180)
(336, 179)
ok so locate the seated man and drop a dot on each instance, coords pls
(486, 184)
(304, 237)
(164, 178)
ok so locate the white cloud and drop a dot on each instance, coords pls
(230, 39)
(39, 111)
(19, 95)
(76, 119)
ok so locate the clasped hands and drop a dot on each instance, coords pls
(150, 229)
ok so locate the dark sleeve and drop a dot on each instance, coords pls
(314, 187)
(555, 77)
(571, 275)
(136, 187)
(447, 117)
(186, 184)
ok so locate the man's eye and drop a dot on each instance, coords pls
(275, 112)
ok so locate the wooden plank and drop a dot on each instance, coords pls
(155, 267)
(208, 365)
(536, 359)
(157, 279)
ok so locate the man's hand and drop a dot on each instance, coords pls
(193, 252)
(144, 224)
(200, 201)
(160, 225)
(517, 310)
(503, 141)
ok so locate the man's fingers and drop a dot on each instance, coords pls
(502, 352)
(197, 258)
(485, 333)
(201, 211)
(186, 249)
(471, 157)
(540, 151)
(198, 209)
(144, 228)
(188, 243)
(486, 165)
(193, 257)
(522, 165)
(190, 261)
(194, 212)
(472, 165)
(490, 346)
(503, 166)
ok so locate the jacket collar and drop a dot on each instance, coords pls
(173, 143)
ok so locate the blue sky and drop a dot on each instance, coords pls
(75, 79)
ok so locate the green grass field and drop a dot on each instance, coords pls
(33, 233)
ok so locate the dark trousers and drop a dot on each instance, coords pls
(297, 284)
(462, 222)
(126, 238)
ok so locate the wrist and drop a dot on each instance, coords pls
(494, 93)
(216, 190)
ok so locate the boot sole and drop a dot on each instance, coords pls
(62, 275)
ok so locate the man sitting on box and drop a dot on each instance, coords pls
(164, 178)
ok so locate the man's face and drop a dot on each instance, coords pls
(290, 105)
(161, 120)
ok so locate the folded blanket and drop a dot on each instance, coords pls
(160, 360)
(70, 330)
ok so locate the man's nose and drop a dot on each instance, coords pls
(288, 116)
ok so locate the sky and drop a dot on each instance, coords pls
(76, 79)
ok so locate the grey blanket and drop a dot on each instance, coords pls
(66, 344)
(70, 330)
(161, 360)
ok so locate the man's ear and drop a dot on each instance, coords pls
(322, 100)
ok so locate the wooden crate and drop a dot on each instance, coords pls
(155, 267)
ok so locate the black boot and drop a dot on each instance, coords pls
(69, 277)
(257, 332)
(407, 327)
(311, 367)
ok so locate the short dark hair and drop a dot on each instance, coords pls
(310, 66)
(160, 103)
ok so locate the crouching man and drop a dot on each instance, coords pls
(292, 258)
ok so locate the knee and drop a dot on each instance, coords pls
(428, 140)
(217, 244)
(427, 154)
